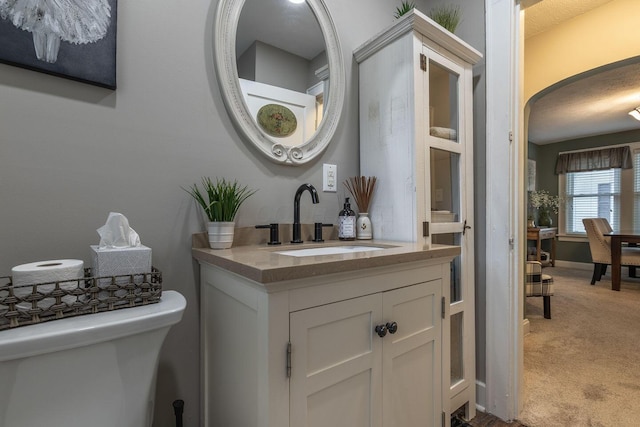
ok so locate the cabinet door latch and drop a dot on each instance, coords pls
(465, 227)
(289, 359)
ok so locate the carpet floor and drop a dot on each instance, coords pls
(581, 367)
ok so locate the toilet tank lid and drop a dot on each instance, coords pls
(64, 334)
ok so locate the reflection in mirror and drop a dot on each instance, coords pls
(275, 72)
(280, 50)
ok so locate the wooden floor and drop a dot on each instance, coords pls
(487, 420)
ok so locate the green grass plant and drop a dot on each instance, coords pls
(405, 7)
(447, 16)
(221, 199)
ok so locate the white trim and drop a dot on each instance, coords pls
(504, 273)
(481, 395)
(572, 238)
(526, 327)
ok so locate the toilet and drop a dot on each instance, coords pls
(95, 370)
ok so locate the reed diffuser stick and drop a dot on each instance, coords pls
(361, 188)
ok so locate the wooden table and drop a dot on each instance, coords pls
(617, 238)
(540, 234)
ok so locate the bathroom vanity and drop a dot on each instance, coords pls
(354, 337)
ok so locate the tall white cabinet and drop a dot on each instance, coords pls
(416, 125)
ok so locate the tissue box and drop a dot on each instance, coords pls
(119, 261)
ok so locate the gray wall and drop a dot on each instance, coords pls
(315, 64)
(70, 153)
(247, 63)
(546, 155)
(274, 66)
(267, 64)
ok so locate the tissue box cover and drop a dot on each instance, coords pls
(118, 261)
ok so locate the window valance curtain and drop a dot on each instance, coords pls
(606, 158)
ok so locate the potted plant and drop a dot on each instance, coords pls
(447, 16)
(545, 203)
(405, 7)
(220, 201)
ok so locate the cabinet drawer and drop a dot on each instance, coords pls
(547, 234)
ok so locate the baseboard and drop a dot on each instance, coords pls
(576, 265)
(525, 327)
(481, 396)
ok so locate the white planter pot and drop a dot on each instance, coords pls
(220, 234)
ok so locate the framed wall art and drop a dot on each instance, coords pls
(75, 39)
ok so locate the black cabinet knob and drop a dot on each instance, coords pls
(381, 330)
(392, 327)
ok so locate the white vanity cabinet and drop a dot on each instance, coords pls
(416, 125)
(306, 352)
(348, 374)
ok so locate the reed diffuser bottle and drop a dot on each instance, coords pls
(361, 188)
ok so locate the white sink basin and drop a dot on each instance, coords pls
(329, 250)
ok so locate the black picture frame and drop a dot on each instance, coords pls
(93, 63)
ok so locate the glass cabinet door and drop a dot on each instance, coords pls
(443, 102)
(449, 210)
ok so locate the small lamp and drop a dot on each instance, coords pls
(635, 113)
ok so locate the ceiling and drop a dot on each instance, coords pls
(542, 15)
(593, 103)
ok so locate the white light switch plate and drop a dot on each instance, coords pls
(329, 178)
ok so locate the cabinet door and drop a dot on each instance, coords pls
(335, 364)
(411, 366)
(449, 151)
(345, 374)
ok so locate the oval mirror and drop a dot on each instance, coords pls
(281, 74)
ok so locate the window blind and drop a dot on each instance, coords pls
(592, 194)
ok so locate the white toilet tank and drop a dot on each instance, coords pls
(96, 370)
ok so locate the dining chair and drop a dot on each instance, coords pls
(600, 247)
(539, 285)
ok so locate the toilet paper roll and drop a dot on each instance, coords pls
(58, 270)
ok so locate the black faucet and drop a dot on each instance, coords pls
(296, 209)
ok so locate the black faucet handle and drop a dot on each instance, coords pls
(274, 233)
(317, 228)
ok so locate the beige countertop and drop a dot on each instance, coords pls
(262, 264)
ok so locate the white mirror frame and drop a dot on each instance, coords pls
(226, 25)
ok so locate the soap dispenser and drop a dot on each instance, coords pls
(347, 222)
